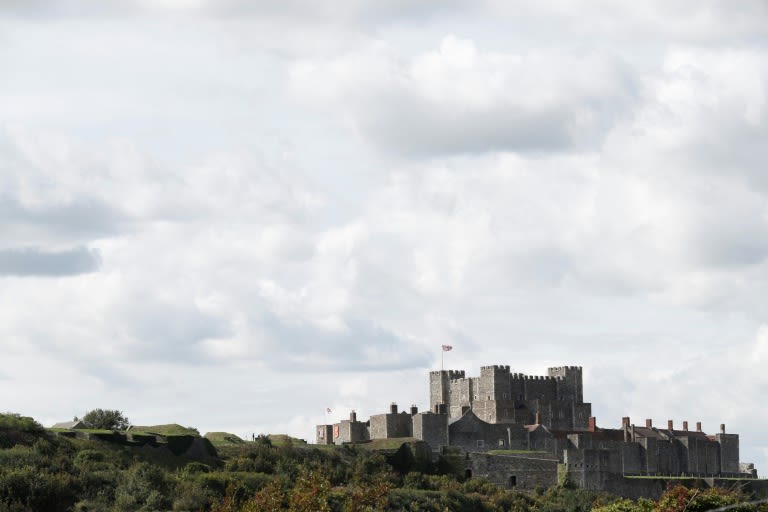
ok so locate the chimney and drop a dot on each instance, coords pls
(625, 421)
(414, 410)
(722, 428)
(649, 423)
(670, 425)
(592, 424)
(698, 426)
(353, 416)
(393, 408)
(685, 426)
(538, 418)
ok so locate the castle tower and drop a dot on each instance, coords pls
(438, 389)
(569, 385)
(493, 390)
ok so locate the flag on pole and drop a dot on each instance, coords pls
(328, 410)
(447, 348)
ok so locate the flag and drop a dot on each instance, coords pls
(447, 348)
(328, 410)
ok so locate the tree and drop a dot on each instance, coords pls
(105, 419)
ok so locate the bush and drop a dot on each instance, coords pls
(105, 419)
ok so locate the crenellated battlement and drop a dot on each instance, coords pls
(558, 369)
(496, 367)
(452, 374)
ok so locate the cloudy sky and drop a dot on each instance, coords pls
(233, 214)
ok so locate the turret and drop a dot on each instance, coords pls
(569, 382)
(439, 382)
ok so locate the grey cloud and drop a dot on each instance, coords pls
(165, 331)
(364, 346)
(79, 219)
(415, 129)
(36, 262)
(366, 11)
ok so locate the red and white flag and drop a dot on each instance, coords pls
(328, 410)
(447, 348)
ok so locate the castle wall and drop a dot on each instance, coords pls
(439, 386)
(729, 453)
(540, 388)
(324, 434)
(700, 456)
(460, 396)
(514, 472)
(348, 431)
(431, 428)
(569, 382)
(473, 434)
(387, 426)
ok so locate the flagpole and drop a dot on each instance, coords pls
(442, 358)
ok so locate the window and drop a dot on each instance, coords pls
(475, 397)
(480, 443)
(501, 442)
(505, 396)
(512, 481)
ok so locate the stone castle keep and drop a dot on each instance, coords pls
(526, 431)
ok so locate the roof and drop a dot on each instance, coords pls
(69, 424)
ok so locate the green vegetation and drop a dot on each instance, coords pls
(105, 419)
(166, 430)
(140, 471)
(223, 439)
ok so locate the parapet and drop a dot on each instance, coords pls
(558, 369)
(452, 374)
(496, 367)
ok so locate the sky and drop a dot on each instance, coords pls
(235, 214)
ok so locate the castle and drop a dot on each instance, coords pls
(528, 431)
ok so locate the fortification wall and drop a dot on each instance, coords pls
(439, 386)
(729, 453)
(432, 429)
(514, 472)
(324, 434)
(570, 382)
(350, 432)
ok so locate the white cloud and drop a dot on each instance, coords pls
(304, 201)
(459, 99)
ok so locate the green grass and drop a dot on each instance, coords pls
(223, 439)
(386, 444)
(165, 430)
(282, 439)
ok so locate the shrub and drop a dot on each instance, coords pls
(106, 419)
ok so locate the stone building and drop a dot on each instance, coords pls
(539, 425)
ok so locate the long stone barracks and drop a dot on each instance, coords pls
(523, 431)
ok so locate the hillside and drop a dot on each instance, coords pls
(104, 471)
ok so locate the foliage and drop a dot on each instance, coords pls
(106, 419)
(16, 429)
(170, 429)
(48, 471)
(683, 499)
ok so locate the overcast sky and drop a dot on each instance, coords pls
(233, 214)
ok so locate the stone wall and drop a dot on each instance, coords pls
(729, 453)
(324, 434)
(348, 431)
(431, 428)
(513, 471)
